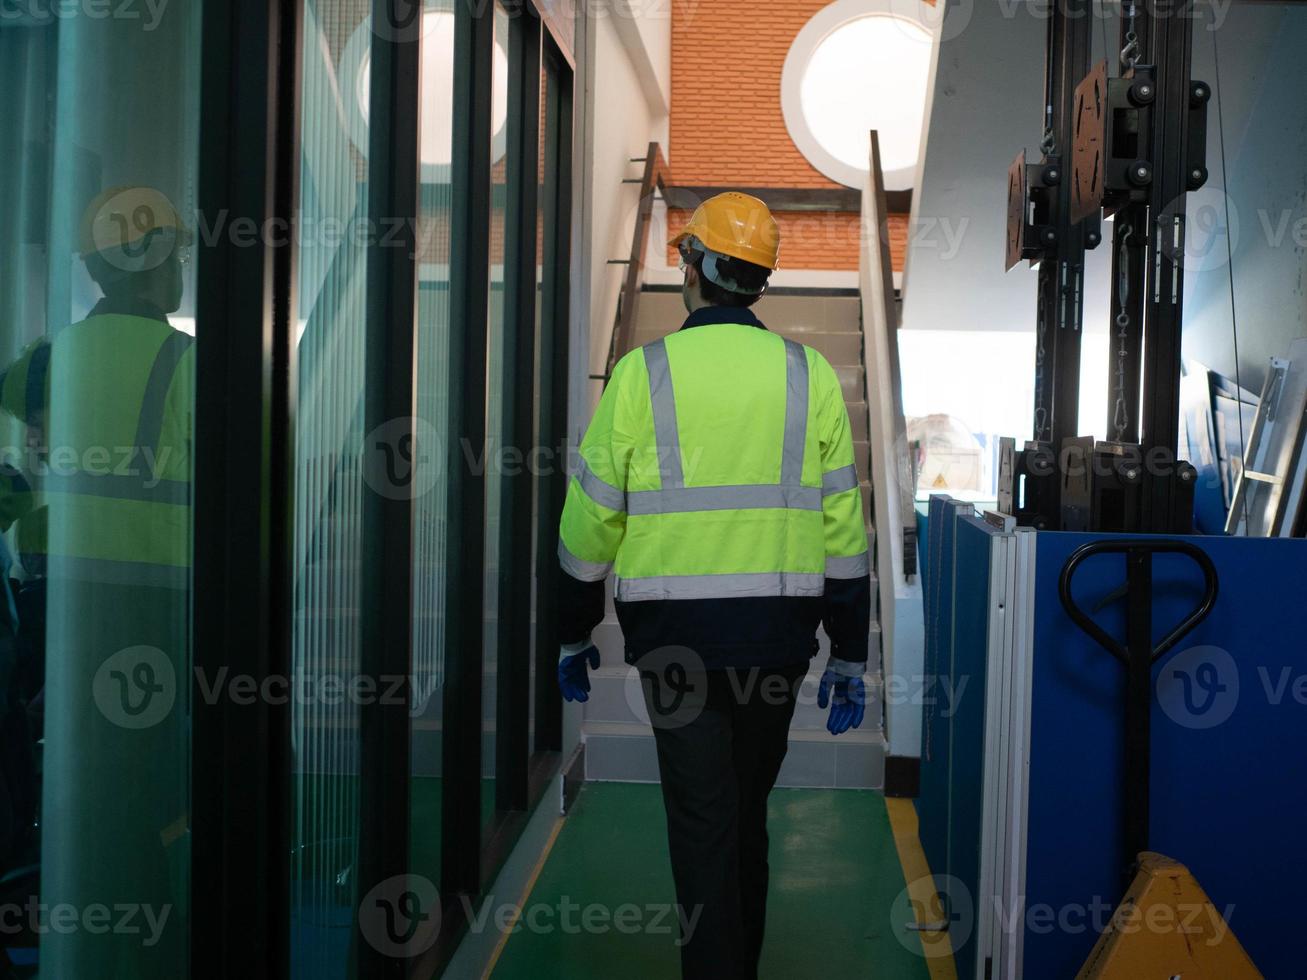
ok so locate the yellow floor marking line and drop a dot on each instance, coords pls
(935, 946)
(526, 893)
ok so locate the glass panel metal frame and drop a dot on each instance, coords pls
(245, 435)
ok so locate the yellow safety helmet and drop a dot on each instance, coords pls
(736, 225)
(131, 229)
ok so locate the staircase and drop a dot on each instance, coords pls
(618, 739)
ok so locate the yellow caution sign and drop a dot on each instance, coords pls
(1167, 927)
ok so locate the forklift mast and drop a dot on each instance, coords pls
(1130, 147)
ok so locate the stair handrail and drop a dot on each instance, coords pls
(892, 478)
(651, 183)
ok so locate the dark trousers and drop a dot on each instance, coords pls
(721, 736)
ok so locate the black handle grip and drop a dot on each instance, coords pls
(1136, 546)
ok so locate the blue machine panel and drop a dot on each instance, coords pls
(962, 697)
(953, 694)
(933, 801)
(1228, 743)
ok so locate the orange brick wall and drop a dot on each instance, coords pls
(727, 128)
(726, 122)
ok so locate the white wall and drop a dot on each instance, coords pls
(613, 122)
(644, 27)
(626, 93)
(987, 105)
(1262, 71)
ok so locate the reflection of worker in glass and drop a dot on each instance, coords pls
(108, 401)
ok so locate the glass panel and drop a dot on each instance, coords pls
(430, 514)
(96, 343)
(328, 486)
(494, 405)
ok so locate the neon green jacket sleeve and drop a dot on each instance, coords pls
(594, 513)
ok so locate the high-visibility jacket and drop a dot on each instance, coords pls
(111, 398)
(717, 481)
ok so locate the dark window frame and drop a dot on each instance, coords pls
(527, 557)
(245, 442)
(472, 854)
(244, 492)
(385, 727)
(553, 356)
(517, 395)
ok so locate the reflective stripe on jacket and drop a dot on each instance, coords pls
(717, 481)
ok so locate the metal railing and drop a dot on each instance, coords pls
(893, 512)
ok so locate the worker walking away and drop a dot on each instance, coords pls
(717, 482)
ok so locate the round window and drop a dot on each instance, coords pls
(436, 131)
(860, 65)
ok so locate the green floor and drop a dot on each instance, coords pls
(835, 876)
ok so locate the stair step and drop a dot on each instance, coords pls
(861, 459)
(781, 313)
(851, 382)
(799, 313)
(858, 420)
(659, 312)
(838, 348)
(831, 324)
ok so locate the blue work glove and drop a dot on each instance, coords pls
(573, 677)
(842, 688)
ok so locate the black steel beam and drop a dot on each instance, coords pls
(1061, 273)
(1171, 51)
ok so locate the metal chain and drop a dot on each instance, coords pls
(1130, 53)
(1041, 414)
(1120, 415)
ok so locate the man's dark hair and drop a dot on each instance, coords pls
(742, 272)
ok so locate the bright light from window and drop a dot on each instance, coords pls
(437, 132)
(869, 73)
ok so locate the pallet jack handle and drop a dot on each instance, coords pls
(1138, 654)
(1137, 552)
